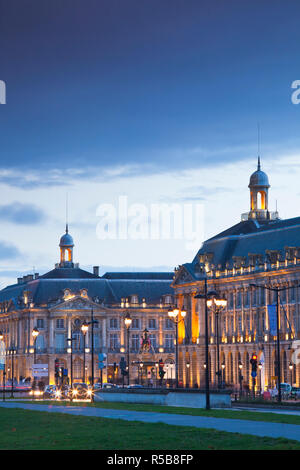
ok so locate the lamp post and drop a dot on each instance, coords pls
(260, 368)
(12, 351)
(128, 322)
(141, 368)
(84, 329)
(206, 296)
(35, 333)
(3, 358)
(291, 366)
(188, 374)
(156, 372)
(217, 304)
(223, 373)
(70, 340)
(241, 377)
(174, 316)
(277, 290)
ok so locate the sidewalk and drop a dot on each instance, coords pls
(256, 428)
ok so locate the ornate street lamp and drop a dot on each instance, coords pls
(240, 377)
(188, 365)
(128, 322)
(4, 371)
(84, 329)
(291, 366)
(70, 340)
(217, 304)
(35, 333)
(12, 351)
(223, 372)
(173, 314)
(260, 366)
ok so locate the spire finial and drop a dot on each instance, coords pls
(67, 225)
(258, 146)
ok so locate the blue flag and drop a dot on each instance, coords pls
(272, 312)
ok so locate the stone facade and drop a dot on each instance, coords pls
(262, 250)
(59, 302)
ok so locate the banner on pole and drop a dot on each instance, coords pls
(272, 313)
(2, 355)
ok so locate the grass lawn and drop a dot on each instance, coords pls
(36, 430)
(247, 415)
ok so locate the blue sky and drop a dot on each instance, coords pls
(158, 100)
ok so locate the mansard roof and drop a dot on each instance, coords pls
(139, 275)
(109, 289)
(250, 237)
(68, 273)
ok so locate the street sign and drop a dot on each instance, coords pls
(40, 370)
(253, 374)
(102, 357)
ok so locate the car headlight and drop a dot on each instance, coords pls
(74, 392)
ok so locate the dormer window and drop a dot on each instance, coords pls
(83, 293)
(26, 297)
(134, 299)
(68, 294)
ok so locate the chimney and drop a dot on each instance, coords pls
(96, 270)
(30, 277)
(20, 280)
(36, 275)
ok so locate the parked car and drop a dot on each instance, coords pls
(81, 391)
(135, 386)
(285, 389)
(36, 393)
(109, 385)
(49, 391)
(97, 386)
(295, 393)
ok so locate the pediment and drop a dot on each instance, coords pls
(77, 303)
(183, 276)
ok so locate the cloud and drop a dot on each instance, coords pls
(21, 214)
(45, 178)
(171, 161)
(8, 251)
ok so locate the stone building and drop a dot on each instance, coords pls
(58, 302)
(263, 250)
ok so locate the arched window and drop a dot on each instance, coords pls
(259, 201)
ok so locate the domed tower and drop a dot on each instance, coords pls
(66, 245)
(259, 186)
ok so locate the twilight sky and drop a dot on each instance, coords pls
(156, 100)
